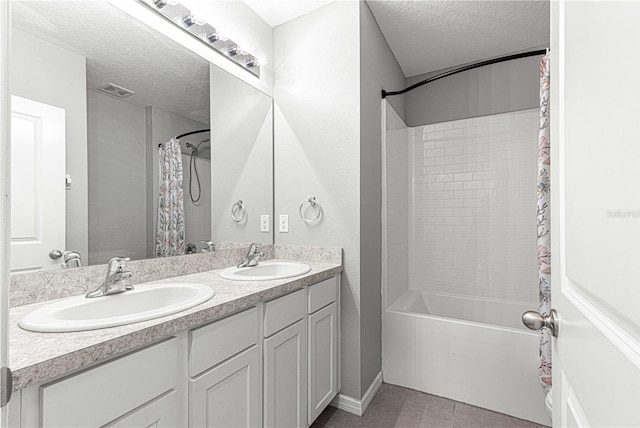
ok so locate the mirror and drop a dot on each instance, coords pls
(85, 162)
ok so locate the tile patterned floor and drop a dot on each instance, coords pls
(397, 407)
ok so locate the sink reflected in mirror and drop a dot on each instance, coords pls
(265, 271)
(80, 313)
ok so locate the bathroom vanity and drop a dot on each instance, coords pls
(259, 353)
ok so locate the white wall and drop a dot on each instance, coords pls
(378, 70)
(242, 153)
(317, 149)
(498, 88)
(398, 183)
(117, 179)
(474, 207)
(242, 23)
(44, 72)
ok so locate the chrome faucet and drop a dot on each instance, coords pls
(251, 259)
(211, 246)
(114, 282)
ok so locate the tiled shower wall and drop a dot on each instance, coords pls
(472, 207)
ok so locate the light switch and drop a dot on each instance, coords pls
(284, 223)
(264, 223)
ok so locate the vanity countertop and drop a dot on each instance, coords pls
(38, 357)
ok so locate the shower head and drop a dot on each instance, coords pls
(194, 149)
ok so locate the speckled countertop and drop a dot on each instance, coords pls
(38, 357)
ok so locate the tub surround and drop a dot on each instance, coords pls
(38, 357)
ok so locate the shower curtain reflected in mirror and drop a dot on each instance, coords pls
(170, 233)
(544, 214)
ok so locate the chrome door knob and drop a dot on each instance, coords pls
(535, 321)
(55, 254)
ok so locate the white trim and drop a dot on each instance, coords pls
(358, 407)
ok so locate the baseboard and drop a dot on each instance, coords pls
(358, 407)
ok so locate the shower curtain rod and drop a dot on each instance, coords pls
(177, 137)
(191, 133)
(386, 94)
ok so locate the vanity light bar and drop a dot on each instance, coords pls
(182, 17)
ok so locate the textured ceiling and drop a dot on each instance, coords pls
(122, 51)
(432, 35)
(276, 12)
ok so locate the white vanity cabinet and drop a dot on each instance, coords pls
(225, 369)
(275, 365)
(285, 361)
(323, 345)
(138, 389)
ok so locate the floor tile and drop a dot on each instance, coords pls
(397, 407)
(410, 416)
(466, 416)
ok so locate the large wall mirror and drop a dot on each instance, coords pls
(94, 94)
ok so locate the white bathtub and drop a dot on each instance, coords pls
(470, 350)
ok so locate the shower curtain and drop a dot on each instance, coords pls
(170, 232)
(544, 235)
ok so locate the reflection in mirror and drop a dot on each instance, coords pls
(95, 93)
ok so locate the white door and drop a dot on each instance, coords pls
(595, 140)
(37, 184)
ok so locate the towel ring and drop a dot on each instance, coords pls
(238, 211)
(314, 204)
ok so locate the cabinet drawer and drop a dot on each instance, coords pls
(215, 342)
(100, 395)
(160, 413)
(322, 294)
(283, 312)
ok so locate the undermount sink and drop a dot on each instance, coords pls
(81, 313)
(265, 271)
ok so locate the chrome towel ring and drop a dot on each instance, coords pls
(238, 211)
(312, 204)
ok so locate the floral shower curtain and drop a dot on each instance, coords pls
(544, 235)
(170, 232)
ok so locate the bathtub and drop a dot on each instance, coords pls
(467, 349)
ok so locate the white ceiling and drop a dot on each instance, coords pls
(123, 51)
(276, 12)
(432, 35)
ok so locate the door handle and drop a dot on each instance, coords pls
(535, 321)
(55, 254)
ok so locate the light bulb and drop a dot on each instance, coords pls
(230, 50)
(211, 37)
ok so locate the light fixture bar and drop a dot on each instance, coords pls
(183, 18)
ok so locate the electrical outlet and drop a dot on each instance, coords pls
(264, 223)
(284, 223)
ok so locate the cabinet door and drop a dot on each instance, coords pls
(229, 395)
(323, 359)
(285, 379)
(160, 413)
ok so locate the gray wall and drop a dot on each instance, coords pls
(378, 69)
(117, 179)
(498, 88)
(44, 72)
(317, 149)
